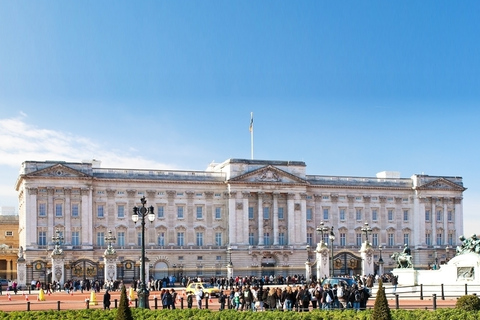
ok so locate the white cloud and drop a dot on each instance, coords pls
(20, 141)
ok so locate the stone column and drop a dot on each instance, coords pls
(434, 220)
(366, 252)
(58, 268)
(28, 236)
(235, 223)
(275, 218)
(243, 219)
(21, 270)
(322, 260)
(291, 218)
(260, 218)
(458, 214)
(68, 215)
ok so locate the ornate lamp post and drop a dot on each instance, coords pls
(380, 261)
(435, 267)
(110, 258)
(332, 238)
(229, 264)
(366, 229)
(322, 229)
(143, 212)
(57, 257)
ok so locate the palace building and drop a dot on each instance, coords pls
(260, 215)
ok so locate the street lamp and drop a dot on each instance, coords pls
(366, 229)
(332, 238)
(110, 239)
(57, 241)
(436, 260)
(380, 261)
(143, 212)
(322, 229)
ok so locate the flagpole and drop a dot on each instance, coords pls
(251, 135)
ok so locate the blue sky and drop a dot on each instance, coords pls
(349, 87)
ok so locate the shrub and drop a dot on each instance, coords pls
(124, 312)
(381, 310)
(468, 303)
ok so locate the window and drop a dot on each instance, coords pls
(180, 212)
(343, 239)
(309, 238)
(42, 209)
(450, 239)
(439, 215)
(75, 238)
(160, 212)
(280, 213)
(9, 233)
(325, 197)
(405, 215)
(359, 214)
(100, 238)
(358, 237)
(309, 214)
(391, 239)
(218, 239)
(161, 239)
(450, 215)
(75, 210)
(325, 237)
(218, 212)
(58, 210)
(374, 215)
(266, 238)
(251, 238)
(199, 258)
(199, 238)
(281, 238)
(439, 239)
(100, 212)
(199, 212)
(375, 239)
(42, 238)
(250, 213)
(342, 214)
(266, 213)
(390, 214)
(121, 238)
(180, 239)
(406, 238)
(428, 239)
(121, 211)
(427, 215)
(139, 239)
(325, 214)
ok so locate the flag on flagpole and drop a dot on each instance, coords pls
(251, 122)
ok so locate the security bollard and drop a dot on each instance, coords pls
(443, 293)
(434, 299)
(206, 301)
(88, 303)
(155, 301)
(115, 303)
(421, 291)
(28, 305)
(397, 303)
(181, 303)
(58, 305)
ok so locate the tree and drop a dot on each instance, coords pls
(124, 312)
(381, 310)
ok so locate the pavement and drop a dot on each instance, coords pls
(25, 301)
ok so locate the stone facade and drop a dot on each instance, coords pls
(260, 215)
(8, 246)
